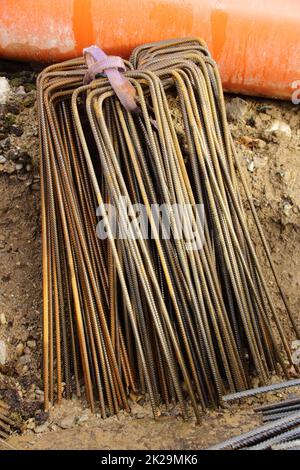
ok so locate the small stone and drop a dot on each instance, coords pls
(2, 319)
(9, 167)
(20, 349)
(259, 143)
(39, 395)
(13, 108)
(31, 344)
(82, 419)
(5, 144)
(280, 129)
(260, 162)
(12, 154)
(25, 359)
(2, 159)
(28, 167)
(67, 422)
(19, 166)
(287, 208)
(247, 141)
(251, 166)
(3, 353)
(5, 90)
(28, 101)
(20, 90)
(41, 429)
(236, 109)
(16, 130)
(30, 424)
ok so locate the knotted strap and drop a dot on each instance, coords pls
(113, 67)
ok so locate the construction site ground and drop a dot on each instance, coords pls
(267, 137)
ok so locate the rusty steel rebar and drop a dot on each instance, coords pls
(146, 315)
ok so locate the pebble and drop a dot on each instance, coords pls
(16, 130)
(3, 353)
(5, 144)
(259, 143)
(20, 90)
(19, 166)
(236, 109)
(31, 344)
(42, 428)
(251, 166)
(9, 167)
(260, 162)
(67, 422)
(30, 424)
(5, 90)
(280, 129)
(247, 141)
(82, 419)
(25, 359)
(2, 159)
(28, 100)
(287, 208)
(2, 319)
(13, 154)
(20, 349)
(39, 395)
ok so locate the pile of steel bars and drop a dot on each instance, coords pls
(273, 411)
(150, 312)
(281, 430)
(5, 422)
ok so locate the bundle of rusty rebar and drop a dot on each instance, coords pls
(148, 315)
(6, 423)
(281, 428)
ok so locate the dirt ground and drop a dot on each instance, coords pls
(267, 137)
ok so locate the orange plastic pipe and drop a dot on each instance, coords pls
(255, 42)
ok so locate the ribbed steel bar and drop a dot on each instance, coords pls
(146, 314)
(259, 434)
(265, 389)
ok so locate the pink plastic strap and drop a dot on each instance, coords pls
(113, 67)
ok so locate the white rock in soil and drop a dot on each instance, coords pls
(281, 128)
(2, 159)
(3, 353)
(2, 319)
(5, 90)
(20, 349)
(251, 166)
